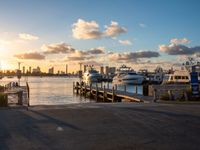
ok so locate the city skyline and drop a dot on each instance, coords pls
(141, 34)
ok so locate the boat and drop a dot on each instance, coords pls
(177, 77)
(91, 75)
(156, 77)
(126, 75)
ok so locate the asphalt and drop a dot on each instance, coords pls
(99, 126)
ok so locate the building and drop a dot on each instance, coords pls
(101, 70)
(51, 70)
(107, 70)
(24, 71)
(85, 68)
(36, 70)
(30, 70)
(66, 71)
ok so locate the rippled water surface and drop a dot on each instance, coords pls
(57, 90)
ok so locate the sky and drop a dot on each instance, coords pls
(143, 34)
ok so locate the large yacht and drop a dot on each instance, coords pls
(126, 75)
(91, 75)
(177, 77)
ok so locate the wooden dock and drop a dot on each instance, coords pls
(103, 94)
(17, 95)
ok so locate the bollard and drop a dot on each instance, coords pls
(96, 93)
(104, 93)
(73, 87)
(113, 94)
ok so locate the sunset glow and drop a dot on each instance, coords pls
(73, 34)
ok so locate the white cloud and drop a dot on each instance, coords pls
(90, 30)
(179, 41)
(86, 30)
(125, 42)
(26, 36)
(114, 29)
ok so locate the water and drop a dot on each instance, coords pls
(57, 90)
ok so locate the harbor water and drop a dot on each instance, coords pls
(58, 90)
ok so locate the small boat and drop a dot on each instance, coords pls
(91, 75)
(126, 75)
(177, 77)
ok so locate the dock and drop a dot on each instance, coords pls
(17, 95)
(105, 94)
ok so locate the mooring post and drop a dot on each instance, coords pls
(28, 92)
(77, 87)
(85, 90)
(104, 93)
(113, 94)
(73, 87)
(90, 90)
(96, 93)
(124, 87)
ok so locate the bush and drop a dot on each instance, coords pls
(164, 96)
(3, 100)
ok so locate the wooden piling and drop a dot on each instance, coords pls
(73, 87)
(113, 94)
(136, 89)
(96, 97)
(104, 93)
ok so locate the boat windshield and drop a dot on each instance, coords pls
(131, 73)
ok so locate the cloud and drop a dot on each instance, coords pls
(86, 30)
(34, 55)
(132, 56)
(179, 41)
(26, 36)
(57, 48)
(125, 42)
(142, 25)
(114, 29)
(99, 50)
(90, 30)
(174, 49)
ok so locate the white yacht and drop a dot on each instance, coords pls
(126, 75)
(91, 75)
(177, 77)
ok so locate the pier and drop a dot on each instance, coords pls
(16, 95)
(105, 94)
